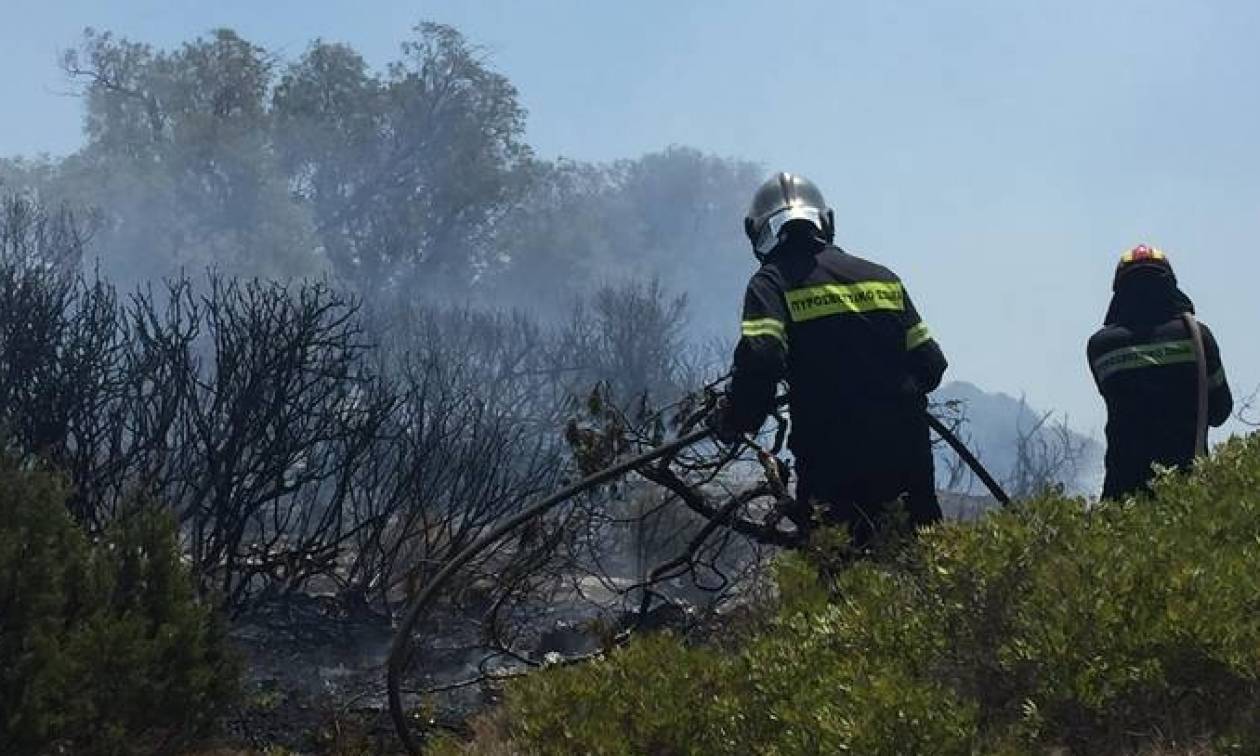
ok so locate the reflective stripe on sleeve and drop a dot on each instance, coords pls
(764, 327)
(835, 299)
(917, 335)
(1144, 356)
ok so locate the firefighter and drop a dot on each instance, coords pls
(1144, 362)
(857, 359)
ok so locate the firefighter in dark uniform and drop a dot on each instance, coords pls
(857, 358)
(1143, 361)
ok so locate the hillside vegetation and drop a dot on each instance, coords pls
(104, 648)
(1128, 626)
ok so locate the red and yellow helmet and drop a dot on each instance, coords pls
(1142, 253)
(1145, 258)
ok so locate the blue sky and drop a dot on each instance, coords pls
(998, 154)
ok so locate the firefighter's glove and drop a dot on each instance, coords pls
(721, 421)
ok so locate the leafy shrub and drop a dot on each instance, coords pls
(103, 646)
(1105, 628)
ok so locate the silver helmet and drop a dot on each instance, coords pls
(783, 198)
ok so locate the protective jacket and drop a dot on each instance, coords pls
(859, 362)
(1143, 363)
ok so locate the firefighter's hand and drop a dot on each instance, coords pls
(721, 422)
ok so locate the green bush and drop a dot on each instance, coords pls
(1110, 628)
(103, 646)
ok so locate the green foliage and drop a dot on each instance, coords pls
(103, 646)
(1105, 628)
(605, 695)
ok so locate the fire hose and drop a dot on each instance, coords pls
(1201, 384)
(400, 648)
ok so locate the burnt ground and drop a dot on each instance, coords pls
(314, 679)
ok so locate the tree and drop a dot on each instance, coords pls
(1048, 456)
(178, 160)
(408, 174)
(673, 215)
(217, 153)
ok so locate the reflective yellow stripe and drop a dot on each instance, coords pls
(1217, 380)
(764, 327)
(835, 299)
(761, 325)
(1147, 355)
(917, 336)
